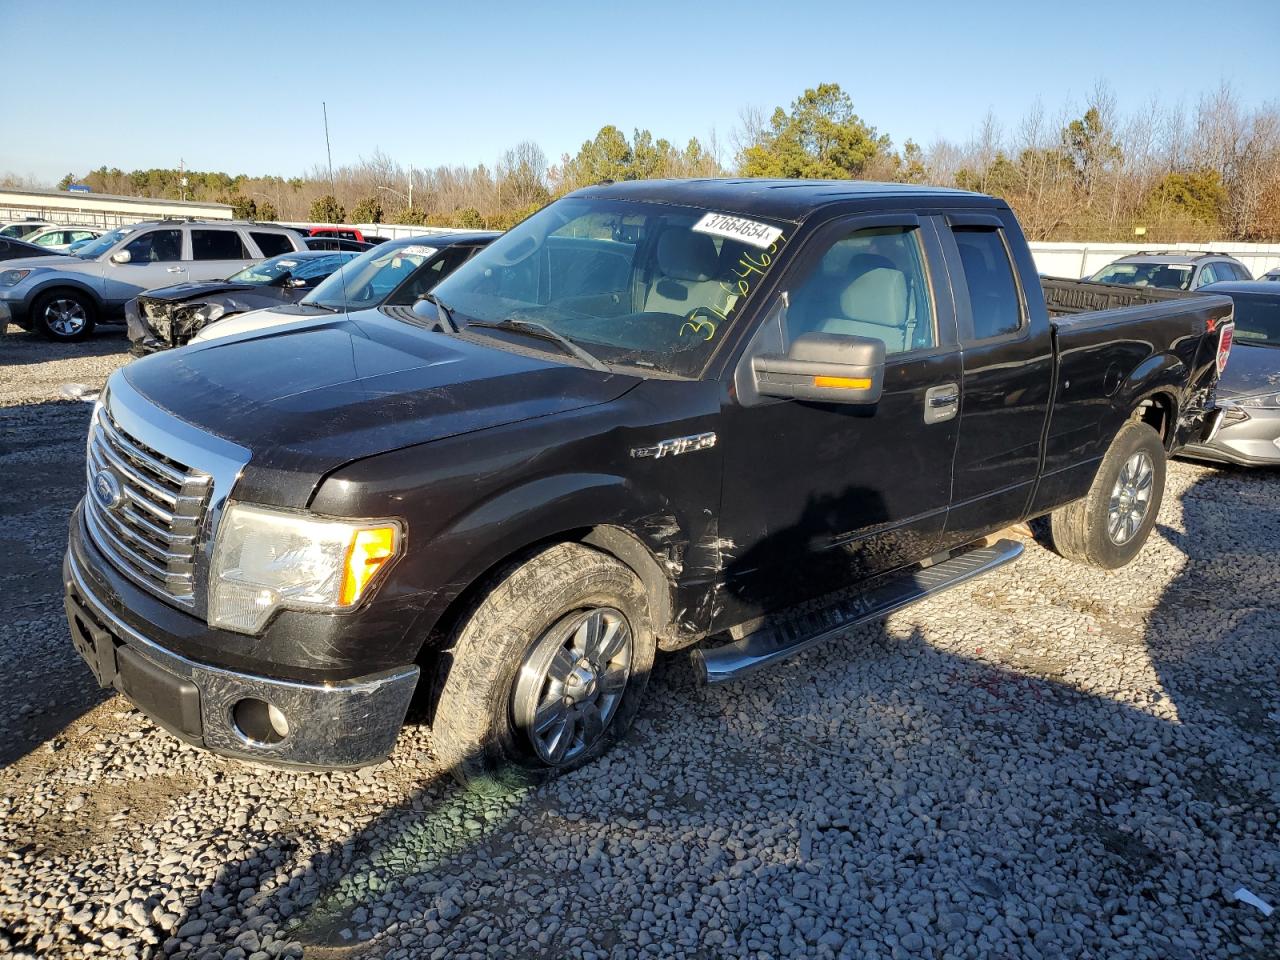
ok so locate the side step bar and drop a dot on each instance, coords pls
(778, 641)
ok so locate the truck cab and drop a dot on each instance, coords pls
(737, 416)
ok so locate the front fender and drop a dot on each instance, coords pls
(600, 508)
(62, 283)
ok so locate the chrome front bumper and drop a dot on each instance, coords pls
(349, 723)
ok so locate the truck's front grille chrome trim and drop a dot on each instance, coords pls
(149, 529)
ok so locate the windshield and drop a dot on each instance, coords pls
(1257, 319)
(366, 280)
(104, 243)
(1169, 276)
(298, 268)
(646, 284)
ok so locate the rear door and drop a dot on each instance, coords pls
(217, 253)
(1007, 377)
(818, 496)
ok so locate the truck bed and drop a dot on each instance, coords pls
(1115, 345)
(1065, 297)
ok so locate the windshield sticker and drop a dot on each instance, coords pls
(417, 250)
(287, 263)
(737, 228)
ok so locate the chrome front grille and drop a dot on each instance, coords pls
(144, 510)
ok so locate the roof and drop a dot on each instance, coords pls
(1172, 256)
(441, 239)
(309, 254)
(778, 199)
(1265, 287)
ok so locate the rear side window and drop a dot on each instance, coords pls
(218, 245)
(156, 246)
(271, 244)
(988, 276)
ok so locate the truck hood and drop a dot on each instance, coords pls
(1251, 370)
(309, 397)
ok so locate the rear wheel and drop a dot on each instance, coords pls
(1110, 524)
(64, 315)
(548, 669)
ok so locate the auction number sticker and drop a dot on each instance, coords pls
(738, 228)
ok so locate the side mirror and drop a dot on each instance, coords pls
(121, 256)
(827, 367)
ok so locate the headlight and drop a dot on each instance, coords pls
(9, 278)
(1269, 400)
(265, 560)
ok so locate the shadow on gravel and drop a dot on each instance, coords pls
(1040, 815)
(46, 685)
(18, 347)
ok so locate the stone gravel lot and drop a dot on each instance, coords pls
(1048, 762)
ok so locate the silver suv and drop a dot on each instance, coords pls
(64, 297)
(1172, 270)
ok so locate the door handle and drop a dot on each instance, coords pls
(173, 269)
(941, 403)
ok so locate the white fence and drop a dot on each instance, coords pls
(1084, 259)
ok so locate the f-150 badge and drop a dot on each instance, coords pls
(676, 446)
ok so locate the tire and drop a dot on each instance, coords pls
(500, 678)
(1110, 524)
(65, 315)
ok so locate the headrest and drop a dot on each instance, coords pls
(878, 296)
(684, 255)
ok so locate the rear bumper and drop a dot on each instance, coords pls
(331, 724)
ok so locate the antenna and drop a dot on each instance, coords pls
(333, 189)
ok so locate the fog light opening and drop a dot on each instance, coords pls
(259, 722)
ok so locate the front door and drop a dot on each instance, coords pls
(818, 496)
(155, 260)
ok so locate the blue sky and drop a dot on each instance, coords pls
(237, 86)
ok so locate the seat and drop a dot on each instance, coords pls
(686, 275)
(874, 305)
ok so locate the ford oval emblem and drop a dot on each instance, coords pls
(106, 489)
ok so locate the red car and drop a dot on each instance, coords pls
(345, 233)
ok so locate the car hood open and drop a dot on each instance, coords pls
(311, 396)
(186, 291)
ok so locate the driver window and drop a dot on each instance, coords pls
(871, 283)
(156, 246)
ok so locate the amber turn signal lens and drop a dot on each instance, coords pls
(847, 383)
(368, 552)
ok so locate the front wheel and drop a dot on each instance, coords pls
(66, 315)
(547, 671)
(1110, 524)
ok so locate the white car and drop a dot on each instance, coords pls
(21, 229)
(62, 235)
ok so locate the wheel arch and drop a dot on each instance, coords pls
(54, 284)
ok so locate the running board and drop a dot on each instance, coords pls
(778, 641)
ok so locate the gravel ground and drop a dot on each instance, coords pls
(1048, 762)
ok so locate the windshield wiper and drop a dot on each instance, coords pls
(543, 332)
(443, 310)
(323, 306)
